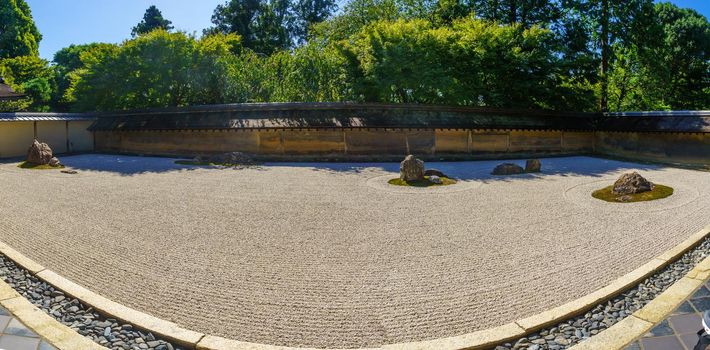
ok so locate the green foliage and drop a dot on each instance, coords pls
(473, 62)
(669, 68)
(18, 34)
(578, 55)
(32, 76)
(307, 13)
(152, 20)
(67, 64)
(402, 62)
(312, 73)
(157, 69)
(685, 55)
(263, 26)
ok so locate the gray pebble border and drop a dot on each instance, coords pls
(69, 311)
(572, 331)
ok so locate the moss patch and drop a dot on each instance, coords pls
(27, 165)
(445, 181)
(658, 192)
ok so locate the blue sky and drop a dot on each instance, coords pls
(65, 22)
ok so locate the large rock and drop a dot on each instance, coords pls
(631, 183)
(232, 158)
(508, 169)
(533, 166)
(434, 172)
(411, 169)
(39, 153)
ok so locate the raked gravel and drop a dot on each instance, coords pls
(319, 255)
(570, 332)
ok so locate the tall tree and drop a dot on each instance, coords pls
(18, 33)
(152, 20)
(606, 50)
(30, 75)
(685, 53)
(262, 25)
(524, 12)
(308, 13)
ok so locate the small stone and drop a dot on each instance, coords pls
(152, 344)
(73, 309)
(533, 166)
(54, 162)
(434, 172)
(508, 169)
(435, 179)
(232, 158)
(107, 332)
(561, 341)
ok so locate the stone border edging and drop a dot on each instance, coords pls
(635, 324)
(55, 333)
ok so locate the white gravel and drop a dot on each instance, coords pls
(324, 255)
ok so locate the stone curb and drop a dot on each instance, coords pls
(166, 329)
(475, 340)
(636, 325)
(55, 333)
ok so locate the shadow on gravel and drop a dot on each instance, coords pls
(123, 165)
(464, 170)
(481, 170)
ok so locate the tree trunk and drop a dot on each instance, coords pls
(513, 11)
(604, 73)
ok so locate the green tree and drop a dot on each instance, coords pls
(685, 54)
(152, 20)
(355, 16)
(263, 26)
(157, 69)
(669, 68)
(67, 63)
(524, 12)
(310, 12)
(32, 76)
(18, 34)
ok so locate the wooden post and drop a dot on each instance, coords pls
(66, 135)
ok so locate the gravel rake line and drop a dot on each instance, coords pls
(572, 331)
(83, 319)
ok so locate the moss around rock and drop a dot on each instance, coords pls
(445, 181)
(28, 165)
(658, 192)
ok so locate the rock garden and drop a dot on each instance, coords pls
(632, 187)
(412, 173)
(40, 156)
